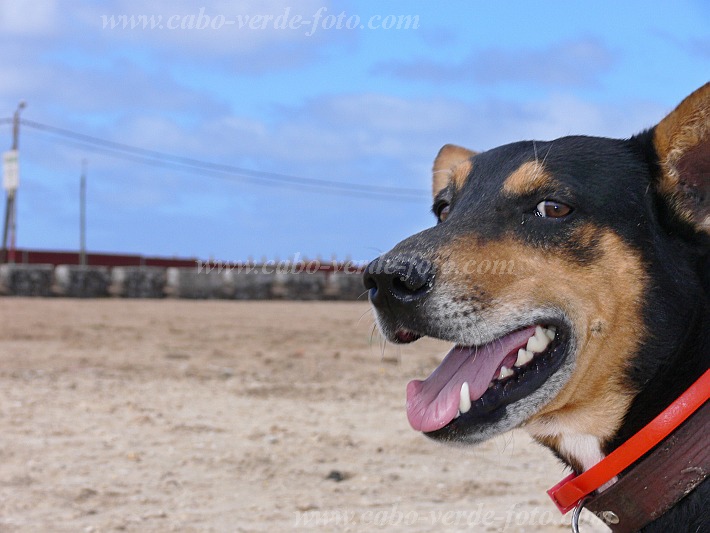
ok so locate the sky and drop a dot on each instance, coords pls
(232, 130)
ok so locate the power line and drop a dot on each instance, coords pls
(165, 160)
(264, 181)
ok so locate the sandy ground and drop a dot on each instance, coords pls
(173, 415)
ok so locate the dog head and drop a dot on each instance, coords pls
(545, 270)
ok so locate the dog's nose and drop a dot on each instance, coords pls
(400, 279)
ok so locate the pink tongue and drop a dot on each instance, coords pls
(434, 402)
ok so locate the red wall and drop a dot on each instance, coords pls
(72, 258)
(112, 260)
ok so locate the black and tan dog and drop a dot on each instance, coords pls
(573, 278)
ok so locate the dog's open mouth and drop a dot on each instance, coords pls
(473, 383)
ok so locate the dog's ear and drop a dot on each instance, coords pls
(682, 143)
(447, 158)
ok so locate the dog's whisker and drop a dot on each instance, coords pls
(548, 153)
(372, 333)
(364, 293)
(367, 311)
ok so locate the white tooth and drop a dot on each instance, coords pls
(491, 385)
(524, 357)
(458, 414)
(505, 372)
(534, 345)
(550, 332)
(538, 342)
(465, 401)
(542, 336)
(540, 333)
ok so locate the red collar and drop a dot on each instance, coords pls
(571, 490)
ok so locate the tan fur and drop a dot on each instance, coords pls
(459, 174)
(602, 299)
(684, 129)
(528, 178)
(449, 157)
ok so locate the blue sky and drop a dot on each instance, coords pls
(364, 106)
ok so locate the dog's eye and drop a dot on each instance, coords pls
(442, 211)
(552, 209)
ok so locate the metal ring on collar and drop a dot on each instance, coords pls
(576, 513)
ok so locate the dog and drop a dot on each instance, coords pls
(573, 279)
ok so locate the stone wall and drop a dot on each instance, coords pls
(26, 280)
(156, 282)
(138, 282)
(81, 281)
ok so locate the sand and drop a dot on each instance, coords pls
(128, 415)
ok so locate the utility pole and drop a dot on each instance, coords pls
(82, 215)
(11, 183)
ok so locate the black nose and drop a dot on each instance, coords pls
(399, 279)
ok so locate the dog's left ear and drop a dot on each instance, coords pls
(446, 160)
(682, 143)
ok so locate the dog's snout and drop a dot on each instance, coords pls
(400, 279)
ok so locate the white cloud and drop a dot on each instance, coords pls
(28, 17)
(345, 132)
(347, 128)
(574, 63)
(226, 33)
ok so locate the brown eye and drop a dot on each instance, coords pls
(443, 212)
(552, 209)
